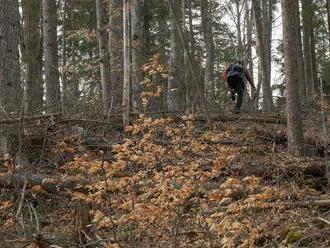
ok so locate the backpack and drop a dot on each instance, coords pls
(236, 70)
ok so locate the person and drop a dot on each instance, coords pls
(236, 75)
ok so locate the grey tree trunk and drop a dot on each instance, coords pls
(268, 31)
(103, 39)
(174, 89)
(116, 51)
(307, 47)
(50, 46)
(314, 63)
(127, 63)
(239, 29)
(70, 81)
(191, 91)
(301, 62)
(266, 87)
(32, 55)
(295, 131)
(138, 51)
(208, 39)
(10, 85)
(186, 75)
(328, 15)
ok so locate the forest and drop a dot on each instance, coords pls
(164, 123)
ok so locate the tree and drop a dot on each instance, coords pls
(10, 85)
(295, 131)
(301, 62)
(174, 87)
(208, 39)
(116, 51)
(262, 53)
(307, 20)
(127, 62)
(32, 55)
(328, 15)
(102, 24)
(139, 51)
(50, 46)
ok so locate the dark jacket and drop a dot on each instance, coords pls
(246, 72)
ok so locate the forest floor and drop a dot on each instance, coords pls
(166, 183)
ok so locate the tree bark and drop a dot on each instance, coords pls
(314, 63)
(10, 85)
(138, 52)
(266, 87)
(301, 62)
(32, 55)
(328, 15)
(50, 46)
(208, 39)
(307, 47)
(294, 121)
(103, 39)
(174, 89)
(116, 51)
(9, 56)
(127, 63)
(268, 31)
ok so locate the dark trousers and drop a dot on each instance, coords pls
(236, 84)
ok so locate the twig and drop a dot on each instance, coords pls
(19, 210)
(35, 217)
(324, 220)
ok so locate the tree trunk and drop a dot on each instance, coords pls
(138, 52)
(266, 87)
(307, 30)
(116, 51)
(328, 15)
(173, 86)
(191, 92)
(32, 55)
(127, 62)
(240, 49)
(268, 31)
(301, 63)
(53, 94)
(103, 39)
(9, 56)
(314, 63)
(294, 122)
(10, 85)
(208, 39)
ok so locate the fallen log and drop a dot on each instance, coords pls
(49, 184)
(232, 117)
(309, 203)
(28, 118)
